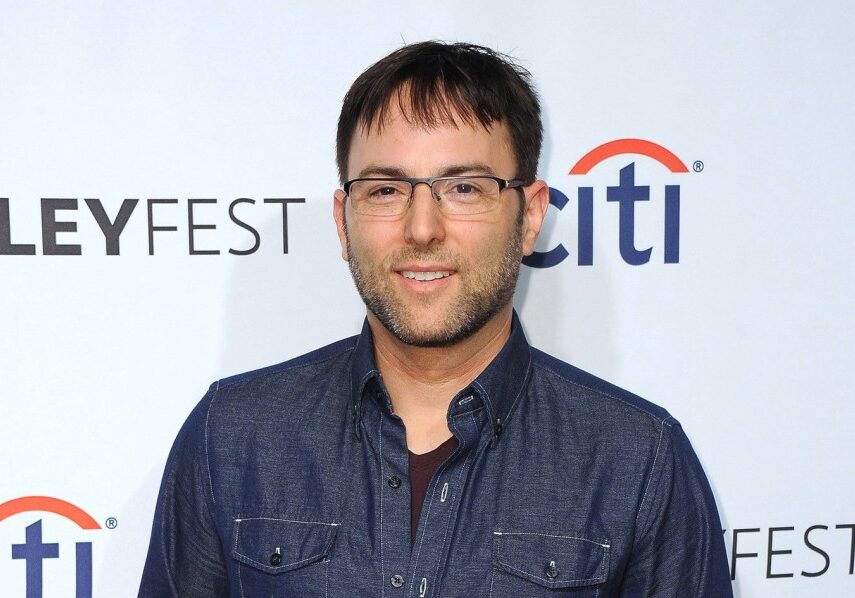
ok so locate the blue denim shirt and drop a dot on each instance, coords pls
(285, 482)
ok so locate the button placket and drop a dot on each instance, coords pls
(441, 511)
(394, 516)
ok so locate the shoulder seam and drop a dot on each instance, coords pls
(282, 367)
(604, 393)
(169, 577)
(207, 454)
(665, 423)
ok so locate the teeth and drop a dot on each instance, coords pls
(424, 275)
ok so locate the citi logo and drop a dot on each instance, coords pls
(624, 194)
(34, 552)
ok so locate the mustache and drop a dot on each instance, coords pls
(407, 255)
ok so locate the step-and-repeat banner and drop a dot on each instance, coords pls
(166, 180)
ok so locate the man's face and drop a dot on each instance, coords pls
(430, 279)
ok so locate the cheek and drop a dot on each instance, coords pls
(486, 240)
(370, 243)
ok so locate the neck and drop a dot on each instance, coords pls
(422, 380)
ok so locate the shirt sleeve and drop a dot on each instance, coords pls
(185, 555)
(679, 547)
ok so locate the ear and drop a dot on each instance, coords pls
(534, 212)
(339, 205)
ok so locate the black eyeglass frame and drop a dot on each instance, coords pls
(429, 181)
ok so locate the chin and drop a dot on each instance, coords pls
(429, 334)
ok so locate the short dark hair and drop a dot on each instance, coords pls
(436, 81)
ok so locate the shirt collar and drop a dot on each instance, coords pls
(503, 382)
(499, 386)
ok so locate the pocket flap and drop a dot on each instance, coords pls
(279, 545)
(550, 560)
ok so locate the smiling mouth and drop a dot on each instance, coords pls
(425, 276)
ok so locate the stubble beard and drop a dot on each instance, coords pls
(489, 288)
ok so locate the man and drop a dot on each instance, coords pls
(437, 453)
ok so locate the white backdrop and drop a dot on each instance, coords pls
(747, 339)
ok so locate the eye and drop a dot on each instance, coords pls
(462, 189)
(383, 190)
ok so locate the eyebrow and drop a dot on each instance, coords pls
(381, 171)
(452, 170)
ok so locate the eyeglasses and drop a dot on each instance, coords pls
(455, 195)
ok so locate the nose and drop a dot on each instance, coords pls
(424, 223)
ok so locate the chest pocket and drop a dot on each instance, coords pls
(532, 565)
(282, 557)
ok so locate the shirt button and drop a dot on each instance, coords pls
(275, 559)
(551, 570)
(394, 482)
(397, 581)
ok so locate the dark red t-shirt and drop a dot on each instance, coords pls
(422, 468)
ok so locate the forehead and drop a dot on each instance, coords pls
(427, 148)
